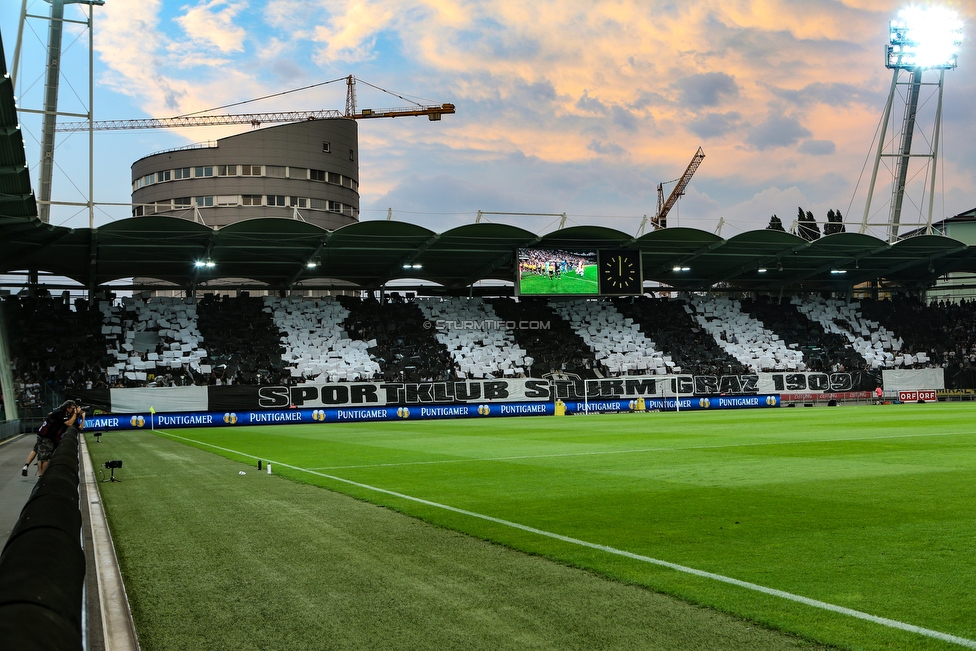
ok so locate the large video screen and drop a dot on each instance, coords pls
(546, 272)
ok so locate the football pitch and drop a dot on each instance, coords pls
(852, 527)
(567, 283)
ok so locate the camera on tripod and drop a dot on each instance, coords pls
(112, 465)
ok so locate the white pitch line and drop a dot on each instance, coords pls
(815, 603)
(631, 451)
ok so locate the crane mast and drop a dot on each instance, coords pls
(432, 111)
(664, 207)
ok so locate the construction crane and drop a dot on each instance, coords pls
(660, 220)
(433, 113)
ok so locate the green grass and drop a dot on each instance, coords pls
(567, 283)
(870, 508)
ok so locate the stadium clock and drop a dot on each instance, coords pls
(620, 272)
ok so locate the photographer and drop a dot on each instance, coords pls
(69, 414)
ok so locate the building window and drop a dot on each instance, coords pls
(354, 184)
(317, 204)
(250, 170)
(162, 176)
(326, 147)
(203, 202)
(297, 173)
(137, 211)
(335, 206)
(352, 155)
(227, 199)
(227, 170)
(276, 171)
(201, 172)
(316, 175)
(182, 202)
(299, 202)
(335, 178)
(276, 200)
(181, 173)
(250, 199)
(346, 182)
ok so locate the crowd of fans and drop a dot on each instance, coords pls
(58, 344)
(673, 329)
(822, 351)
(553, 345)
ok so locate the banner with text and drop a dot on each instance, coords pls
(375, 394)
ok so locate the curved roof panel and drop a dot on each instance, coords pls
(280, 253)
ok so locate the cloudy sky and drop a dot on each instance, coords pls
(571, 106)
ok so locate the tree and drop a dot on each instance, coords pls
(835, 223)
(806, 226)
(775, 224)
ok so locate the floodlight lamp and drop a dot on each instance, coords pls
(924, 37)
(838, 271)
(211, 264)
(761, 270)
(417, 266)
(199, 263)
(312, 264)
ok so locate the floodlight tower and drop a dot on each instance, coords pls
(921, 40)
(52, 83)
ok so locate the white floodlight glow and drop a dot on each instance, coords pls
(838, 271)
(418, 266)
(211, 264)
(924, 37)
(312, 265)
(681, 269)
(762, 271)
(199, 263)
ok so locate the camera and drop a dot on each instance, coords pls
(115, 463)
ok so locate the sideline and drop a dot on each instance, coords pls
(636, 451)
(117, 627)
(823, 605)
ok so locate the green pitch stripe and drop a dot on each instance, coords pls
(823, 605)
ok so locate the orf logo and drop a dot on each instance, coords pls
(138, 421)
(230, 418)
(403, 412)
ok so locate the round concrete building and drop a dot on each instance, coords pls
(303, 170)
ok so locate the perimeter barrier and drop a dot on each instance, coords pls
(42, 567)
(148, 420)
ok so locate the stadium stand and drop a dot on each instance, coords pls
(242, 340)
(616, 341)
(875, 344)
(553, 349)
(672, 328)
(404, 349)
(745, 338)
(824, 349)
(467, 329)
(157, 337)
(56, 344)
(159, 341)
(316, 346)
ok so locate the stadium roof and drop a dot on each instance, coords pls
(282, 253)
